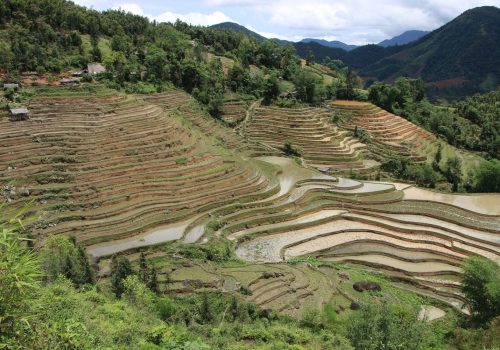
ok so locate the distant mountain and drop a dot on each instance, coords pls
(320, 51)
(403, 39)
(335, 43)
(239, 28)
(462, 57)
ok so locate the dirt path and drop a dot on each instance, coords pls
(248, 115)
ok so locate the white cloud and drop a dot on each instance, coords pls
(305, 16)
(234, 2)
(195, 18)
(268, 35)
(132, 8)
(353, 21)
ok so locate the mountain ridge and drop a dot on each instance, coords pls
(404, 38)
(334, 43)
(457, 59)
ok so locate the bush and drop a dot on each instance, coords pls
(63, 256)
(19, 273)
(290, 150)
(121, 269)
(486, 177)
(87, 78)
(386, 326)
(481, 286)
(362, 135)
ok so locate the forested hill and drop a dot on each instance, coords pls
(458, 59)
(239, 28)
(53, 37)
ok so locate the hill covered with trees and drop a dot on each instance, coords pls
(456, 60)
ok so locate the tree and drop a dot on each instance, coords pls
(487, 176)
(152, 282)
(62, 255)
(122, 271)
(96, 52)
(143, 268)
(437, 158)
(310, 57)
(271, 89)
(87, 273)
(247, 50)
(453, 172)
(6, 56)
(481, 287)
(205, 309)
(289, 150)
(307, 86)
(351, 83)
(19, 274)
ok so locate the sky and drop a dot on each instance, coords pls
(351, 21)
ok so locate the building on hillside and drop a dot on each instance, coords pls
(17, 114)
(95, 68)
(69, 82)
(77, 74)
(10, 86)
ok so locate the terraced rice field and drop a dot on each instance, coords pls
(234, 111)
(103, 168)
(322, 145)
(391, 135)
(125, 174)
(376, 225)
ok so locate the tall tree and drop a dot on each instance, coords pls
(122, 271)
(310, 58)
(153, 281)
(453, 171)
(271, 89)
(143, 268)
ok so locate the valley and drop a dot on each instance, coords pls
(165, 172)
(166, 185)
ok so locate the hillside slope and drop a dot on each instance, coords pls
(239, 28)
(457, 59)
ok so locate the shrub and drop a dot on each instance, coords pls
(362, 135)
(19, 272)
(121, 269)
(486, 177)
(63, 256)
(290, 150)
(481, 286)
(386, 326)
(87, 78)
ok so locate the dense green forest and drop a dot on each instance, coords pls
(143, 56)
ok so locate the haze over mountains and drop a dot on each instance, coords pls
(457, 59)
(402, 39)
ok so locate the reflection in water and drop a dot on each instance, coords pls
(481, 203)
(163, 234)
